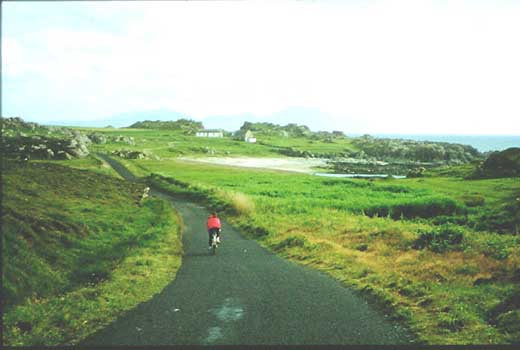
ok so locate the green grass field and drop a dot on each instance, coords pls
(81, 247)
(172, 143)
(450, 290)
(439, 251)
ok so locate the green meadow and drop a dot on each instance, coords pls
(424, 248)
(439, 252)
(82, 247)
(173, 143)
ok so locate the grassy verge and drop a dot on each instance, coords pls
(80, 248)
(91, 162)
(451, 284)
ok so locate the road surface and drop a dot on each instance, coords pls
(246, 295)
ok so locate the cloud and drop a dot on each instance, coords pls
(410, 66)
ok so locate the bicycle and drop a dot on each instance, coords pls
(214, 242)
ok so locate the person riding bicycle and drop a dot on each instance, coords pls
(213, 225)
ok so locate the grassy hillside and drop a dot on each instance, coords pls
(453, 283)
(174, 143)
(79, 248)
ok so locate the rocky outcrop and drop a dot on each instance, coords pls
(123, 139)
(27, 140)
(128, 154)
(97, 138)
(42, 147)
(399, 150)
(292, 129)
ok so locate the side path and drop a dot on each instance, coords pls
(246, 295)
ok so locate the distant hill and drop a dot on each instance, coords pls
(187, 126)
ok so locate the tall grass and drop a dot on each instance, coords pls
(242, 204)
(67, 234)
(443, 281)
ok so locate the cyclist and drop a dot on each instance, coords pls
(213, 225)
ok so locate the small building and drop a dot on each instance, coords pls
(249, 137)
(210, 133)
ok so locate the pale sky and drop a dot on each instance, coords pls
(429, 67)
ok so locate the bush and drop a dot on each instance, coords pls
(362, 247)
(510, 323)
(451, 322)
(505, 163)
(502, 219)
(496, 248)
(441, 239)
(506, 315)
(446, 219)
(474, 200)
(421, 208)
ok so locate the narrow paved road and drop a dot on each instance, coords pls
(246, 295)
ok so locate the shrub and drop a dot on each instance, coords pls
(467, 270)
(506, 315)
(427, 208)
(441, 239)
(420, 208)
(502, 219)
(362, 247)
(510, 322)
(474, 200)
(451, 322)
(496, 248)
(446, 219)
(505, 163)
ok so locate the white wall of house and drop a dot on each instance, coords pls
(249, 137)
(210, 134)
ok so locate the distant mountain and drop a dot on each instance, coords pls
(315, 119)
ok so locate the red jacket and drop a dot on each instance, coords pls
(213, 222)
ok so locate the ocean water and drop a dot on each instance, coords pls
(359, 175)
(483, 143)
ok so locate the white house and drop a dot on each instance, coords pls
(210, 133)
(249, 137)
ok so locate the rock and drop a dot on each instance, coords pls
(127, 154)
(98, 138)
(123, 139)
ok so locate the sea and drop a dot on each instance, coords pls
(483, 143)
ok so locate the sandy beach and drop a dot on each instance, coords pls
(300, 165)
